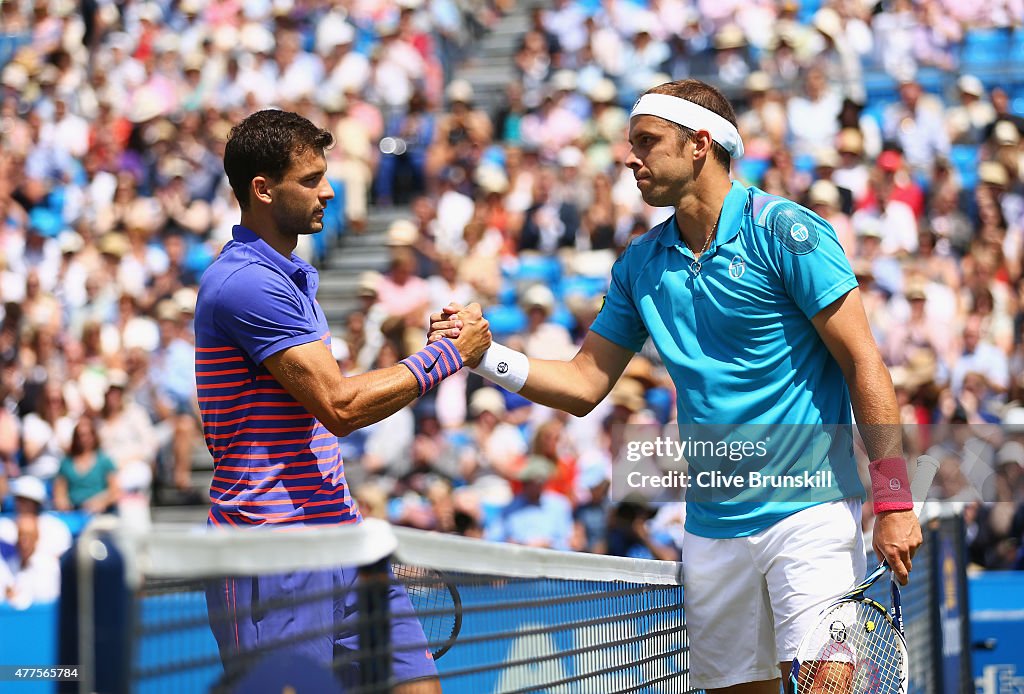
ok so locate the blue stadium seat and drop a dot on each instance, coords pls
(965, 160)
(1017, 46)
(984, 47)
(932, 80)
(880, 86)
(753, 169)
(505, 320)
(804, 163)
(537, 268)
(562, 317)
(508, 294)
(807, 10)
(876, 111)
(583, 286)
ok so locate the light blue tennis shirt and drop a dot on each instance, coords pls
(758, 392)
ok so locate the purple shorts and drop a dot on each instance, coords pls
(315, 616)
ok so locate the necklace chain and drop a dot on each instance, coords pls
(696, 264)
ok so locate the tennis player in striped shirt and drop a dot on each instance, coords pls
(274, 402)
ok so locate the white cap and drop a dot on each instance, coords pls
(570, 157)
(29, 487)
(969, 84)
(402, 232)
(603, 90)
(333, 31)
(538, 295)
(459, 90)
(1011, 452)
(487, 400)
(564, 81)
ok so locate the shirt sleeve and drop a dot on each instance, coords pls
(619, 320)
(814, 268)
(260, 311)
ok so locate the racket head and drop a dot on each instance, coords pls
(438, 605)
(853, 648)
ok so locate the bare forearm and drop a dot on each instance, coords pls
(875, 409)
(562, 386)
(373, 396)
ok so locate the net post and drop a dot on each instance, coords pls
(375, 627)
(96, 613)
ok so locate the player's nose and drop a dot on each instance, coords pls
(326, 191)
(632, 161)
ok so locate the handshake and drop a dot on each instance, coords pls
(467, 328)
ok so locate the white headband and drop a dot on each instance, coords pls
(690, 115)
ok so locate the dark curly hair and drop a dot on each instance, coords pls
(265, 144)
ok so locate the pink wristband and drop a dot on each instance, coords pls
(890, 485)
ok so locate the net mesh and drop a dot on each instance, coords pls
(506, 619)
(854, 649)
(497, 618)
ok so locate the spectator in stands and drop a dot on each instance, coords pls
(543, 338)
(30, 576)
(823, 199)
(551, 443)
(30, 499)
(460, 135)
(495, 445)
(981, 358)
(763, 124)
(881, 210)
(176, 389)
(46, 432)
(966, 123)
(126, 432)
(87, 479)
(535, 517)
(630, 536)
(812, 115)
(915, 123)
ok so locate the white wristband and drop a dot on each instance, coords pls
(505, 367)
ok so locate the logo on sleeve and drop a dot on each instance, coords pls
(797, 237)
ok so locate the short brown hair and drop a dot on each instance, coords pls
(702, 94)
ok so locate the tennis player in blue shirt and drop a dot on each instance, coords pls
(274, 403)
(756, 314)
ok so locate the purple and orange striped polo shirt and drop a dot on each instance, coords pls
(274, 462)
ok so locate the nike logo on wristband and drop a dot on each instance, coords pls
(431, 365)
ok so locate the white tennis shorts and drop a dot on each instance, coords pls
(749, 600)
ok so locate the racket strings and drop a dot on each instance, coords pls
(432, 601)
(854, 649)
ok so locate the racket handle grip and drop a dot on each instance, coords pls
(927, 466)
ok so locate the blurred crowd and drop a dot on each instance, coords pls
(113, 117)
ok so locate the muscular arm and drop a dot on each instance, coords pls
(577, 386)
(574, 386)
(343, 404)
(346, 403)
(843, 326)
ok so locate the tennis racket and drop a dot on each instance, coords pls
(857, 646)
(437, 603)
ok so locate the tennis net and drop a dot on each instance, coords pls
(497, 618)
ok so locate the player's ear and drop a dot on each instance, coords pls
(259, 189)
(701, 144)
